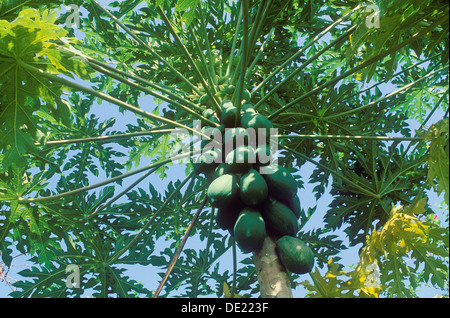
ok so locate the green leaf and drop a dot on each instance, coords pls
(438, 164)
(188, 6)
(30, 39)
(183, 5)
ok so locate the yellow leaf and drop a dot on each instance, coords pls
(227, 292)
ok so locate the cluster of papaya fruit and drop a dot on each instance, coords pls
(224, 91)
(253, 196)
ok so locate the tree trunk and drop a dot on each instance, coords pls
(272, 276)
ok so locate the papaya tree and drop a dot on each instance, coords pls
(109, 117)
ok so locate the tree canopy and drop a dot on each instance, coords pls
(357, 90)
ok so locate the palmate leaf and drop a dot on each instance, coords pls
(42, 280)
(388, 178)
(113, 282)
(188, 6)
(22, 220)
(30, 39)
(323, 244)
(438, 164)
(10, 8)
(404, 237)
(390, 260)
(197, 270)
(396, 23)
(333, 284)
(156, 147)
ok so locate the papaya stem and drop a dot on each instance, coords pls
(148, 47)
(303, 50)
(346, 137)
(273, 278)
(244, 58)
(180, 248)
(107, 138)
(405, 88)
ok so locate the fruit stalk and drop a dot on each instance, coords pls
(273, 279)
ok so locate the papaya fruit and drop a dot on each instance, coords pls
(224, 191)
(280, 181)
(246, 94)
(263, 155)
(248, 108)
(235, 137)
(226, 104)
(204, 99)
(259, 123)
(255, 120)
(207, 162)
(229, 117)
(230, 90)
(247, 116)
(208, 113)
(294, 205)
(295, 255)
(253, 188)
(280, 220)
(214, 119)
(215, 134)
(222, 80)
(220, 170)
(249, 230)
(241, 159)
(226, 217)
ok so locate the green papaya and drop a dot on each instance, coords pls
(208, 113)
(294, 205)
(222, 80)
(253, 188)
(259, 123)
(246, 95)
(255, 120)
(204, 99)
(249, 230)
(295, 255)
(220, 170)
(207, 162)
(241, 159)
(230, 117)
(215, 134)
(224, 191)
(248, 108)
(226, 217)
(247, 116)
(280, 220)
(226, 104)
(280, 181)
(214, 119)
(235, 137)
(230, 89)
(263, 155)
